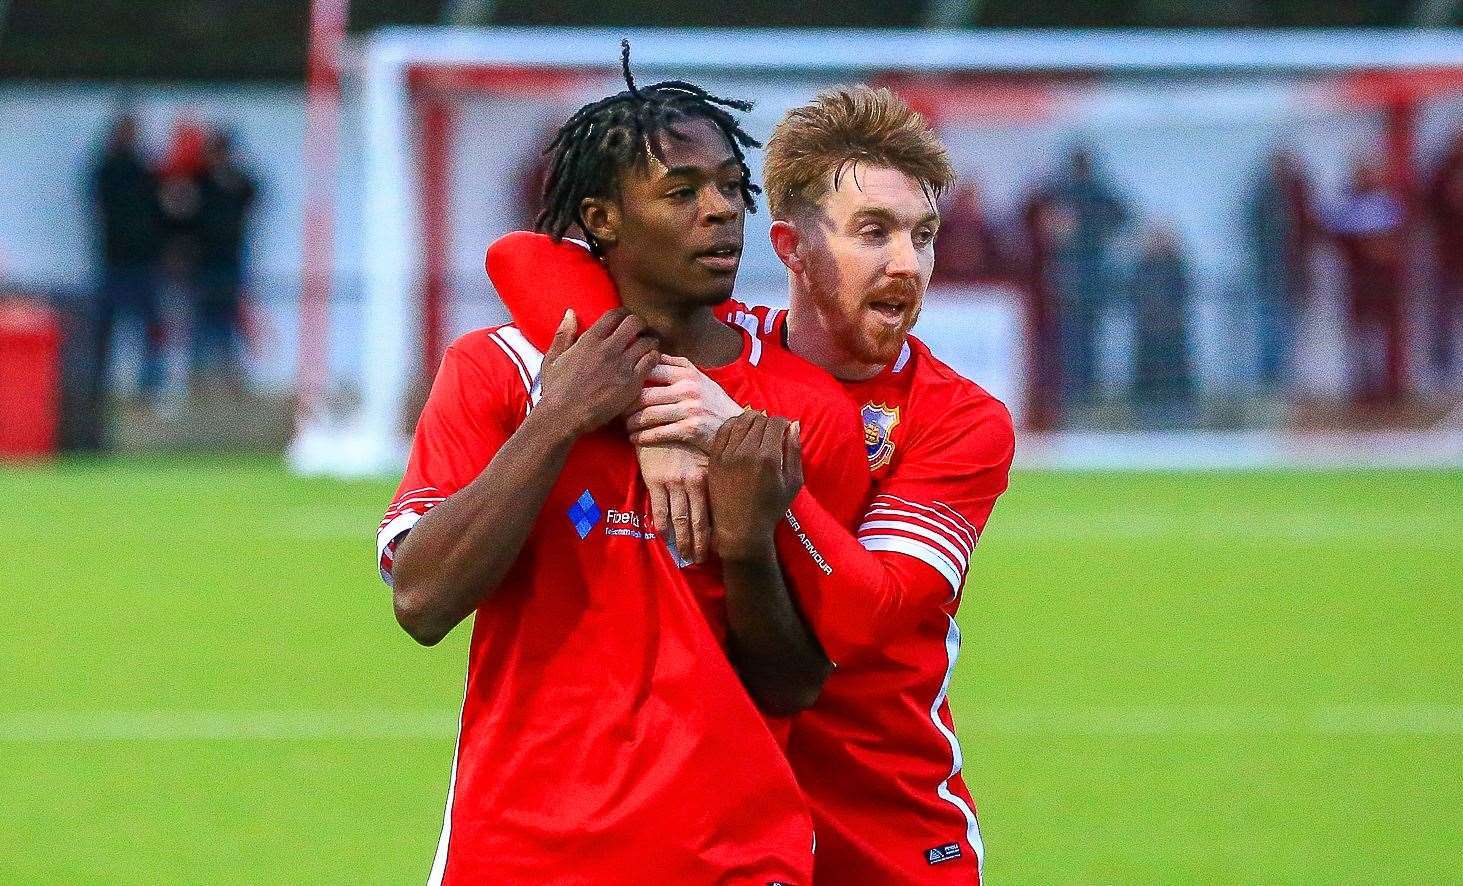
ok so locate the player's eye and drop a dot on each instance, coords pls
(924, 237)
(871, 231)
(681, 193)
(732, 188)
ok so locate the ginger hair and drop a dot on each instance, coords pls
(814, 145)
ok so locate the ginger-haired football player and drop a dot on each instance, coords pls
(852, 180)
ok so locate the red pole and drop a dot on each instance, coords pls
(322, 136)
(1401, 147)
(436, 126)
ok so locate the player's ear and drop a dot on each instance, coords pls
(785, 242)
(601, 218)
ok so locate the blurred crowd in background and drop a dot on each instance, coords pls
(172, 234)
(1078, 250)
(171, 227)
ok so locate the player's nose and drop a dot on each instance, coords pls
(903, 258)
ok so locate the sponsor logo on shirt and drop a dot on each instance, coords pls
(628, 523)
(948, 852)
(584, 513)
(879, 424)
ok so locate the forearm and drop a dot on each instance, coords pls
(852, 597)
(457, 554)
(772, 649)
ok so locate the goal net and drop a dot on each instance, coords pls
(1109, 263)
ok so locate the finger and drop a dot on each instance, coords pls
(608, 322)
(743, 427)
(627, 332)
(646, 362)
(681, 519)
(632, 356)
(563, 337)
(655, 416)
(660, 510)
(683, 431)
(721, 442)
(661, 394)
(700, 518)
(667, 372)
(792, 455)
(773, 433)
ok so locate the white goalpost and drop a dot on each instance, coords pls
(447, 116)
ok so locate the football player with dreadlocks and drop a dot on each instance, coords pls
(615, 727)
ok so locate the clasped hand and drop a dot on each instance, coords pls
(694, 440)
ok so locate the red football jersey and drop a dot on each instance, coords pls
(779, 382)
(605, 738)
(877, 756)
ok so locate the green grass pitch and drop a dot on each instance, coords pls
(1166, 678)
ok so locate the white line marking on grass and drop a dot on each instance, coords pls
(1382, 721)
(1103, 722)
(104, 726)
(1295, 527)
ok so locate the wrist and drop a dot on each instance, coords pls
(554, 424)
(756, 546)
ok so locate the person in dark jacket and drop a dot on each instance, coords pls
(226, 194)
(1085, 215)
(1163, 384)
(124, 197)
(1281, 227)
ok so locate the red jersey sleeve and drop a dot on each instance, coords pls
(835, 467)
(539, 278)
(478, 399)
(912, 549)
(731, 310)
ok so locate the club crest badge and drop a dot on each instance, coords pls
(879, 424)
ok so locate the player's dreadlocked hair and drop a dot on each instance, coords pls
(606, 137)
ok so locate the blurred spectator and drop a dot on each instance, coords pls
(1281, 227)
(1444, 204)
(124, 195)
(178, 196)
(1044, 397)
(968, 251)
(226, 192)
(180, 199)
(1163, 386)
(1368, 226)
(1082, 217)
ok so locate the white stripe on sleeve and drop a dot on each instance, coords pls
(514, 359)
(958, 558)
(918, 550)
(531, 357)
(388, 534)
(956, 525)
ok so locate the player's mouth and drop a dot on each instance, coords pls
(720, 259)
(890, 310)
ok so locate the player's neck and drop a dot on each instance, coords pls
(690, 331)
(810, 336)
